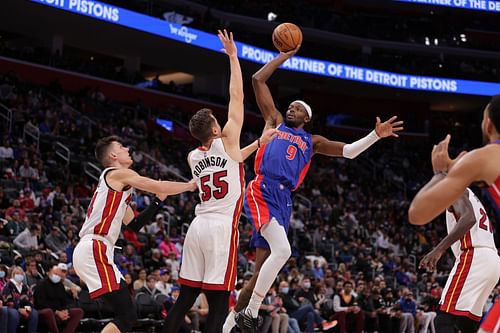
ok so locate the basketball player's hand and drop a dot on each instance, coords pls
(268, 136)
(193, 185)
(388, 128)
(290, 53)
(441, 160)
(228, 43)
(429, 261)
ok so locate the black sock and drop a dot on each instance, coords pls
(175, 317)
(218, 305)
(445, 323)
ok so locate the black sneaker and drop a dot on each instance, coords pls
(246, 323)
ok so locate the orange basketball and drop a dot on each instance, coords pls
(286, 37)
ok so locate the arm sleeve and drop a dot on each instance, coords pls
(351, 150)
(146, 216)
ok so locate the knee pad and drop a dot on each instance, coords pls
(283, 252)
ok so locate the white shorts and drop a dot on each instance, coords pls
(210, 253)
(94, 264)
(473, 277)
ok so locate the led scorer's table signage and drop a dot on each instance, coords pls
(183, 34)
(486, 5)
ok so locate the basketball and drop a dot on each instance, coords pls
(286, 37)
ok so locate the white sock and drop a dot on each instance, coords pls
(254, 304)
(229, 323)
(275, 235)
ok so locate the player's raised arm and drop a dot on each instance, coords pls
(466, 220)
(232, 129)
(130, 177)
(441, 192)
(263, 95)
(327, 147)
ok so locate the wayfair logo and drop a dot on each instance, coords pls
(183, 32)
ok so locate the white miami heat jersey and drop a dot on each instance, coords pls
(481, 233)
(106, 211)
(220, 180)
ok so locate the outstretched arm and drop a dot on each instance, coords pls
(326, 147)
(126, 177)
(232, 129)
(466, 220)
(263, 95)
(264, 139)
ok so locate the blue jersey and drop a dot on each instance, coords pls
(287, 158)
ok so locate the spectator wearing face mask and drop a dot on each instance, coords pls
(9, 317)
(18, 296)
(51, 300)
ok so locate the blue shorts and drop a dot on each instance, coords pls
(265, 200)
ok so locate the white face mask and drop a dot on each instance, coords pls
(18, 278)
(55, 278)
(2, 274)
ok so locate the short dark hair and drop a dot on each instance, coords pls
(494, 111)
(348, 282)
(101, 148)
(200, 124)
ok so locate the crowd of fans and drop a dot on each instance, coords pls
(354, 258)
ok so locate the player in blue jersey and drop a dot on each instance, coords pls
(280, 168)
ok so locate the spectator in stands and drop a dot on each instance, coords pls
(156, 226)
(131, 237)
(17, 295)
(6, 151)
(156, 262)
(141, 280)
(32, 274)
(409, 310)
(302, 312)
(52, 304)
(41, 265)
(305, 295)
(317, 270)
(69, 286)
(130, 285)
(15, 208)
(9, 317)
(27, 172)
(27, 199)
(367, 305)
(15, 224)
(166, 246)
(274, 314)
(164, 285)
(56, 240)
(149, 287)
(347, 311)
(173, 262)
(131, 259)
(27, 240)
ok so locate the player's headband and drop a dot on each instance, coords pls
(306, 106)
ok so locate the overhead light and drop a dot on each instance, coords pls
(427, 41)
(271, 16)
(436, 42)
